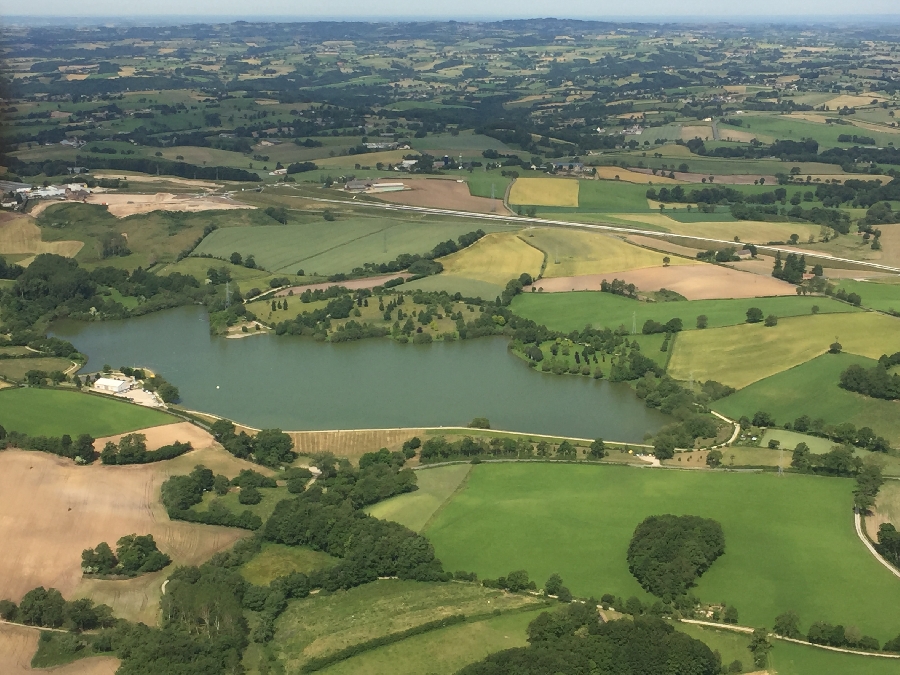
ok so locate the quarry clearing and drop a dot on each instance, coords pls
(124, 205)
(136, 178)
(18, 645)
(443, 194)
(694, 282)
(52, 509)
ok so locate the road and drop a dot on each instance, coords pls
(868, 544)
(588, 226)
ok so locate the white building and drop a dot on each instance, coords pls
(111, 386)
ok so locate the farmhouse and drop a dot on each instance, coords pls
(111, 386)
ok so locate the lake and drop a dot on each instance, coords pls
(297, 384)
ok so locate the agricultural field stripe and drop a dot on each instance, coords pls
(592, 226)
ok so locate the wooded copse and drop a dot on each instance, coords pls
(135, 554)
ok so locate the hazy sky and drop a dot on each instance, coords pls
(460, 9)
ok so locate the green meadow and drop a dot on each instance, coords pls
(812, 389)
(883, 296)
(54, 412)
(574, 310)
(790, 542)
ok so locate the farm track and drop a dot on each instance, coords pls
(612, 229)
(857, 521)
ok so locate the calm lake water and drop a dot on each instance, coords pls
(295, 383)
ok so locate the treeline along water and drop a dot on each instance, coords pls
(295, 383)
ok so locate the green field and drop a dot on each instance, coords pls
(270, 498)
(790, 542)
(444, 651)
(436, 486)
(278, 560)
(742, 354)
(15, 369)
(883, 296)
(330, 247)
(325, 623)
(54, 412)
(573, 311)
(789, 394)
(612, 197)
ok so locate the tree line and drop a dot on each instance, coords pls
(132, 449)
(876, 381)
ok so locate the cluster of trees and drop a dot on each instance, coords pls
(380, 475)
(575, 641)
(46, 607)
(824, 633)
(423, 265)
(876, 382)
(651, 327)
(840, 461)
(682, 434)
(667, 554)
(81, 449)
(166, 167)
(438, 449)
(846, 432)
(889, 543)
(269, 447)
(619, 287)
(132, 449)
(791, 269)
(368, 547)
(134, 555)
(180, 493)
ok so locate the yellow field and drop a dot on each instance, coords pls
(545, 192)
(745, 230)
(696, 131)
(19, 235)
(496, 259)
(853, 101)
(351, 444)
(743, 354)
(580, 253)
(810, 117)
(626, 176)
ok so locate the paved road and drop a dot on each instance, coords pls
(586, 226)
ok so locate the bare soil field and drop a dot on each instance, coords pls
(352, 443)
(19, 235)
(124, 205)
(443, 194)
(185, 432)
(695, 282)
(52, 509)
(353, 284)
(138, 178)
(18, 645)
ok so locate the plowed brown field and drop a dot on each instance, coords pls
(443, 194)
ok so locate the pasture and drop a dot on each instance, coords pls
(604, 196)
(278, 560)
(790, 542)
(436, 486)
(545, 192)
(573, 311)
(20, 236)
(576, 252)
(15, 369)
(742, 354)
(880, 294)
(443, 651)
(323, 624)
(812, 389)
(54, 412)
(325, 248)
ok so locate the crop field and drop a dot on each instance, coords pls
(444, 194)
(790, 542)
(581, 253)
(444, 651)
(545, 192)
(15, 369)
(352, 443)
(745, 230)
(742, 354)
(604, 196)
(436, 486)
(321, 625)
(694, 282)
(573, 311)
(26, 410)
(628, 176)
(496, 258)
(246, 277)
(54, 509)
(18, 645)
(20, 236)
(278, 560)
(327, 248)
(482, 183)
(786, 395)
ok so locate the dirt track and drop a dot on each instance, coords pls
(124, 205)
(51, 510)
(19, 644)
(443, 194)
(694, 282)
